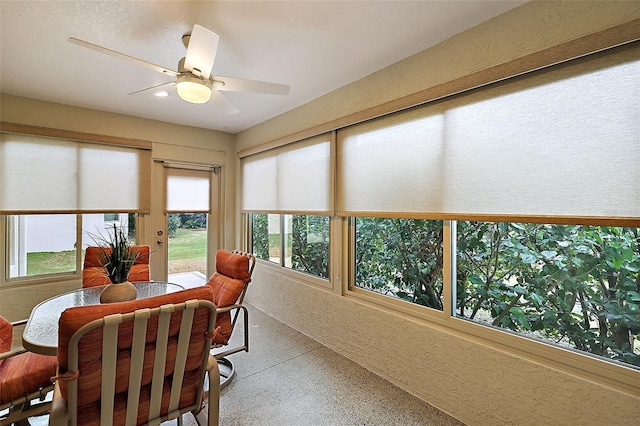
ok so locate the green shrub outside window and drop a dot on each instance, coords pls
(305, 239)
(400, 258)
(569, 285)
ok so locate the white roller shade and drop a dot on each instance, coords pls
(392, 164)
(295, 178)
(564, 142)
(188, 190)
(40, 174)
(260, 182)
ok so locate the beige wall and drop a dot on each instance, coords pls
(32, 112)
(475, 380)
(170, 142)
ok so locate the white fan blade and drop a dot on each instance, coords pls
(153, 87)
(232, 84)
(101, 49)
(223, 103)
(201, 51)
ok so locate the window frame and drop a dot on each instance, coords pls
(88, 139)
(610, 372)
(613, 373)
(415, 309)
(6, 281)
(280, 266)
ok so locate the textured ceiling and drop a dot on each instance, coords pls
(314, 47)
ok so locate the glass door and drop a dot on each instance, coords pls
(187, 247)
(184, 231)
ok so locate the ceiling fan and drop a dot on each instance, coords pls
(194, 82)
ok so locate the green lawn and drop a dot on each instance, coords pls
(51, 262)
(187, 251)
(188, 244)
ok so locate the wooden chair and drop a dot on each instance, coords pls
(137, 362)
(229, 284)
(93, 274)
(25, 379)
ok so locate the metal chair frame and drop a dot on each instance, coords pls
(65, 412)
(227, 369)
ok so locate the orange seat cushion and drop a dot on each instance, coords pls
(24, 373)
(90, 353)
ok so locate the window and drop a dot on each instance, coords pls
(55, 192)
(111, 217)
(309, 244)
(95, 225)
(292, 185)
(45, 244)
(401, 258)
(297, 242)
(575, 286)
(41, 245)
(511, 207)
(266, 240)
(538, 179)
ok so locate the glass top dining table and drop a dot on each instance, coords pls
(41, 332)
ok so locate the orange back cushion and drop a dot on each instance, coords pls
(228, 284)
(93, 255)
(226, 292)
(233, 265)
(90, 351)
(94, 275)
(143, 254)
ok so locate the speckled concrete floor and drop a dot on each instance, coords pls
(289, 379)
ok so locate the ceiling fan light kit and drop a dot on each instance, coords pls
(193, 89)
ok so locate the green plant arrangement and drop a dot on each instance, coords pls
(117, 257)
